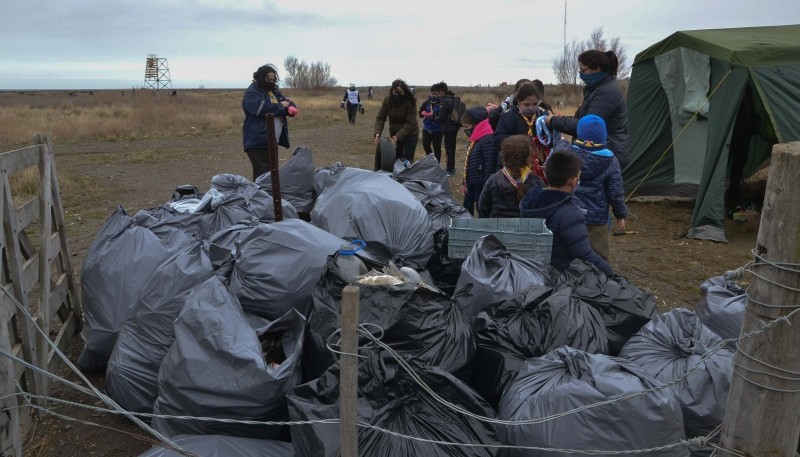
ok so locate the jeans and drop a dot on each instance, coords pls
(432, 139)
(351, 112)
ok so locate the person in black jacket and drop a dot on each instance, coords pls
(559, 207)
(504, 189)
(450, 123)
(603, 97)
(481, 161)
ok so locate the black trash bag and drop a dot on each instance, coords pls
(424, 169)
(297, 180)
(421, 324)
(390, 399)
(444, 270)
(323, 175)
(277, 265)
(675, 342)
(146, 336)
(722, 307)
(240, 192)
(442, 208)
(223, 446)
(530, 324)
(625, 308)
(360, 204)
(225, 364)
(566, 379)
(120, 261)
(491, 274)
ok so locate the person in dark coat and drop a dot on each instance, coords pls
(481, 159)
(521, 119)
(505, 188)
(560, 209)
(352, 100)
(263, 97)
(601, 182)
(432, 132)
(602, 97)
(400, 109)
(451, 124)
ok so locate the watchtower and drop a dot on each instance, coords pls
(156, 73)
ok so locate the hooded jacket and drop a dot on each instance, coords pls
(604, 99)
(482, 154)
(499, 197)
(601, 185)
(402, 118)
(256, 104)
(429, 123)
(565, 219)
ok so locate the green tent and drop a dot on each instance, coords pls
(705, 108)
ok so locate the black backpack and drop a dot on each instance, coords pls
(459, 108)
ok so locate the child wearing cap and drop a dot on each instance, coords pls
(601, 182)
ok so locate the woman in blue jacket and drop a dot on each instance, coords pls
(263, 97)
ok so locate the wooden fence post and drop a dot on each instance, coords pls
(10, 441)
(348, 373)
(763, 411)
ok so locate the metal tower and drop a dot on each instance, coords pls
(156, 73)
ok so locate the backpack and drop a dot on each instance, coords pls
(459, 108)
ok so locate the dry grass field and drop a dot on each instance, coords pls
(134, 148)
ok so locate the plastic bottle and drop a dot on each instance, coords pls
(350, 265)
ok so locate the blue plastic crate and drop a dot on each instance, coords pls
(528, 238)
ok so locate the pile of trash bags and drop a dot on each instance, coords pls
(206, 307)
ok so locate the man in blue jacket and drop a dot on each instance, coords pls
(263, 97)
(559, 207)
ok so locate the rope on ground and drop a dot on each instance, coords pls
(674, 140)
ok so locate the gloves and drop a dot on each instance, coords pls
(341, 105)
(292, 111)
(426, 114)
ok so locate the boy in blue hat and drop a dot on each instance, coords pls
(601, 182)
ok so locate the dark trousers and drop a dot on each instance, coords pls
(432, 139)
(471, 197)
(406, 147)
(260, 161)
(351, 112)
(450, 149)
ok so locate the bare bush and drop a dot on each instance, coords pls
(304, 75)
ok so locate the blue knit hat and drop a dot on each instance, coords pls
(591, 131)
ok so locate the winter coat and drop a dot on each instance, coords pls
(445, 117)
(600, 186)
(256, 104)
(512, 123)
(604, 99)
(499, 197)
(429, 123)
(481, 155)
(565, 219)
(402, 118)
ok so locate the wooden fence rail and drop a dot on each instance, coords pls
(36, 271)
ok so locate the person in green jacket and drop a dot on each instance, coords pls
(400, 108)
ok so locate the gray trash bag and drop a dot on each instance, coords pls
(360, 204)
(671, 344)
(225, 364)
(625, 308)
(566, 379)
(277, 266)
(323, 175)
(245, 194)
(722, 307)
(146, 336)
(223, 446)
(120, 261)
(424, 169)
(492, 274)
(390, 399)
(297, 180)
(442, 208)
(530, 324)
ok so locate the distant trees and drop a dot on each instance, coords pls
(303, 75)
(565, 66)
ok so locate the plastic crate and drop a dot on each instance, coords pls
(528, 238)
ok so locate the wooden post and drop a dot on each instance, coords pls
(46, 230)
(10, 441)
(272, 153)
(348, 373)
(763, 411)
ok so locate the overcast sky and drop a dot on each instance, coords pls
(98, 44)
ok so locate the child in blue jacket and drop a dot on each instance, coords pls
(481, 160)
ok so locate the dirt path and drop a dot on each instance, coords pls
(98, 176)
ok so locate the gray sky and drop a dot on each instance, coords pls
(98, 44)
